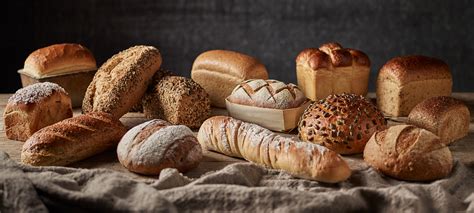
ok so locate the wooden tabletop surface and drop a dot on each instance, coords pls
(462, 150)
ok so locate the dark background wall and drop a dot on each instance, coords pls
(273, 31)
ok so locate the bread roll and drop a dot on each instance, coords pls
(446, 117)
(178, 100)
(332, 69)
(343, 123)
(405, 81)
(121, 82)
(34, 107)
(235, 138)
(408, 153)
(59, 59)
(154, 145)
(72, 140)
(220, 71)
(267, 94)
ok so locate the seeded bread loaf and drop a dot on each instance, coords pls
(235, 138)
(408, 153)
(405, 81)
(446, 117)
(332, 69)
(34, 107)
(343, 123)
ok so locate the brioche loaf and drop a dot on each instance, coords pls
(403, 82)
(220, 71)
(235, 138)
(34, 107)
(446, 117)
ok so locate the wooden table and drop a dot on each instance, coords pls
(462, 150)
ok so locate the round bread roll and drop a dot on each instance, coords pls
(408, 153)
(154, 145)
(343, 123)
(34, 107)
(120, 83)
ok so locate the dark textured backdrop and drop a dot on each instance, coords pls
(273, 31)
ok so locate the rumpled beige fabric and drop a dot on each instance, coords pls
(240, 187)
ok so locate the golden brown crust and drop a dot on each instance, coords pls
(331, 55)
(59, 59)
(313, 58)
(406, 69)
(359, 58)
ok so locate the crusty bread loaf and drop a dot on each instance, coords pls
(332, 69)
(408, 153)
(267, 94)
(72, 140)
(120, 83)
(34, 107)
(220, 71)
(59, 59)
(154, 145)
(446, 117)
(178, 100)
(235, 138)
(343, 123)
(403, 82)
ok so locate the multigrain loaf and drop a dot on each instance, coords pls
(121, 82)
(405, 81)
(34, 107)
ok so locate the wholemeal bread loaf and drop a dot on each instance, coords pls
(235, 138)
(403, 82)
(446, 117)
(59, 59)
(154, 145)
(34, 107)
(120, 83)
(408, 153)
(343, 123)
(72, 140)
(219, 71)
(178, 100)
(332, 69)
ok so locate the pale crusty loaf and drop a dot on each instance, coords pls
(235, 138)
(405, 81)
(34, 107)
(72, 140)
(267, 94)
(332, 69)
(446, 117)
(220, 71)
(408, 153)
(59, 59)
(120, 83)
(178, 100)
(154, 145)
(343, 123)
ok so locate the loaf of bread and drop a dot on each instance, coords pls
(235, 138)
(446, 117)
(34, 107)
(332, 69)
(154, 145)
(178, 100)
(59, 59)
(220, 71)
(408, 153)
(267, 94)
(343, 123)
(72, 140)
(121, 82)
(403, 82)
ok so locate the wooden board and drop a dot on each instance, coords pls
(463, 150)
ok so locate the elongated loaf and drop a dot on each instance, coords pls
(235, 138)
(72, 140)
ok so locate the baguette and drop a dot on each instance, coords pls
(235, 138)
